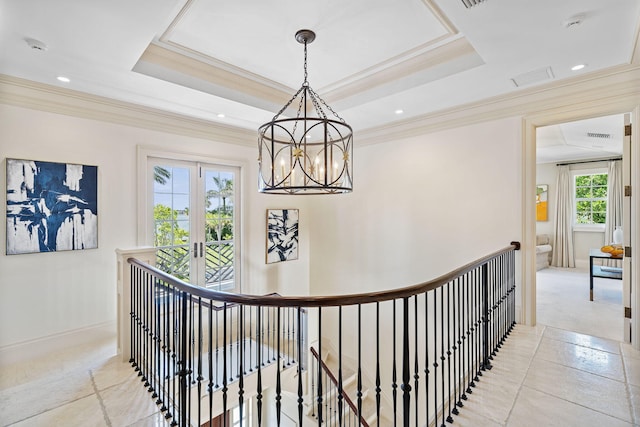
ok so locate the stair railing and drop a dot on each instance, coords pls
(195, 348)
(338, 406)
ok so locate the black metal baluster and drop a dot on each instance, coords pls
(442, 354)
(313, 385)
(359, 386)
(230, 347)
(183, 358)
(319, 385)
(174, 349)
(199, 378)
(132, 315)
(394, 377)
(187, 366)
(217, 364)
(224, 365)
(456, 379)
(144, 330)
(469, 343)
(327, 401)
(147, 331)
(153, 342)
(166, 348)
(485, 292)
(241, 367)
(259, 366)
(460, 341)
(251, 338)
(340, 391)
(378, 389)
(475, 329)
(435, 356)
(416, 376)
(278, 383)
(448, 285)
(210, 360)
(406, 376)
(299, 343)
(329, 404)
(288, 336)
(426, 355)
(269, 344)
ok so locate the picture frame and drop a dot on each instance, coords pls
(51, 206)
(542, 202)
(282, 235)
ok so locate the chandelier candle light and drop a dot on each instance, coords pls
(309, 153)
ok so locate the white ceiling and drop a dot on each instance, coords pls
(208, 58)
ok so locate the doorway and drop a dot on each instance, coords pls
(578, 203)
(529, 303)
(190, 214)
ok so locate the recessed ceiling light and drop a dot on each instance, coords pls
(64, 79)
(399, 111)
(578, 67)
(221, 116)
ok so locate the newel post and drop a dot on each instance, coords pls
(144, 254)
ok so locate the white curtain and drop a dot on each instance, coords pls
(614, 203)
(563, 236)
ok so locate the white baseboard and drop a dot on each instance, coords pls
(40, 347)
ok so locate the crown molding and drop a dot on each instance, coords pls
(608, 86)
(38, 96)
(615, 85)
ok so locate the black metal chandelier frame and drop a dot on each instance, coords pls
(305, 154)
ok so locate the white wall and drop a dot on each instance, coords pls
(43, 295)
(420, 208)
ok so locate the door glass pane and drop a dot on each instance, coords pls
(171, 218)
(219, 229)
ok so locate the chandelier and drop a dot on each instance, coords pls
(309, 153)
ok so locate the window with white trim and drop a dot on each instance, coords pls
(590, 199)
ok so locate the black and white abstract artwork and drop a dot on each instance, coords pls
(282, 235)
(51, 206)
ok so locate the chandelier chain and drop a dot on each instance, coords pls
(306, 74)
(315, 95)
(287, 104)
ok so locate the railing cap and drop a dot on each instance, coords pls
(320, 301)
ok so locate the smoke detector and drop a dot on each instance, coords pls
(574, 21)
(36, 44)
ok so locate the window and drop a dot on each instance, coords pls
(590, 191)
(194, 211)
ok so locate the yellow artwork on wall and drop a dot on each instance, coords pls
(542, 195)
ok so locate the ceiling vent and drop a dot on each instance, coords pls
(470, 3)
(598, 135)
(534, 76)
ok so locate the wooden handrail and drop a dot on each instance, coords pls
(321, 301)
(346, 397)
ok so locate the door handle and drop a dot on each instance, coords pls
(201, 250)
(195, 250)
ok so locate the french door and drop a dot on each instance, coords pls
(193, 209)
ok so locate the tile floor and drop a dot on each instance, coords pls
(542, 376)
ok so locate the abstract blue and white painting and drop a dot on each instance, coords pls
(282, 235)
(51, 206)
